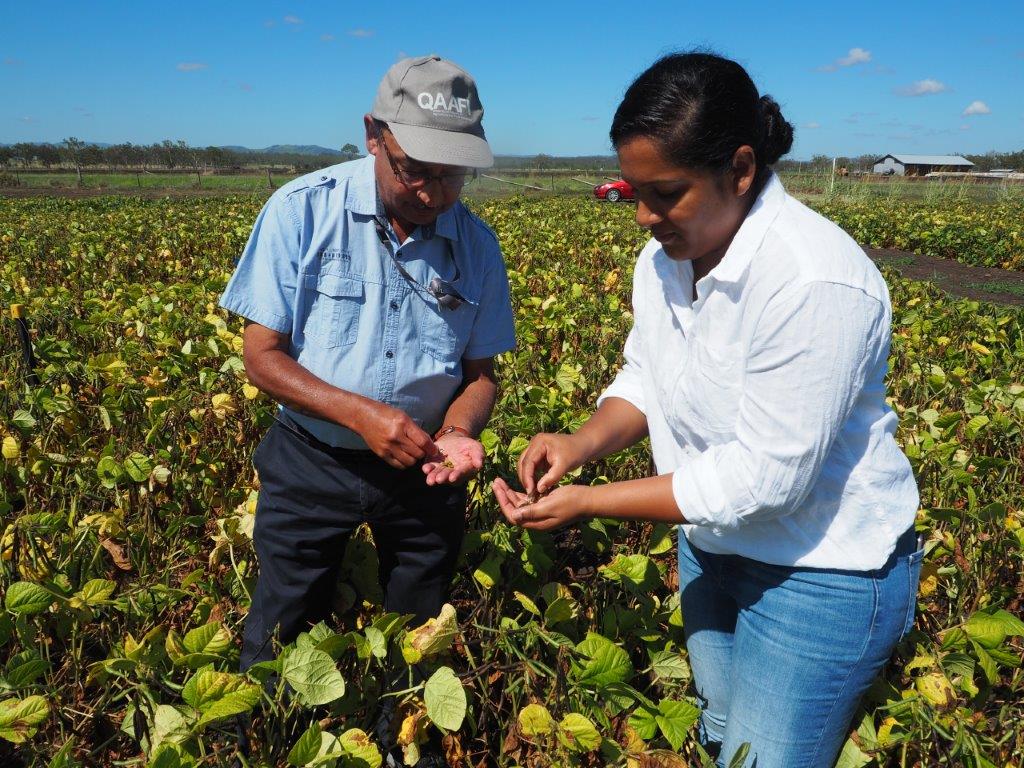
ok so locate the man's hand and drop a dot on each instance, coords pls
(559, 508)
(392, 435)
(459, 458)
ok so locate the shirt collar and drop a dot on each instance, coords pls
(361, 198)
(751, 233)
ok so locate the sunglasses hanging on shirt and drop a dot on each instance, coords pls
(443, 291)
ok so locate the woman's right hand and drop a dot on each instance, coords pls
(549, 455)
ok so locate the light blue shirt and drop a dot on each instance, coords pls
(314, 268)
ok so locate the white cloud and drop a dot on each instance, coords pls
(191, 66)
(812, 126)
(977, 108)
(855, 56)
(327, 37)
(27, 119)
(361, 32)
(922, 88)
(269, 23)
(292, 20)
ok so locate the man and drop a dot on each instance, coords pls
(375, 304)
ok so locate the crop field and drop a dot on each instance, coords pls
(127, 497)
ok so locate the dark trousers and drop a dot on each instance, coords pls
(312, 497)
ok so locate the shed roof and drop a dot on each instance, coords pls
(931, 160)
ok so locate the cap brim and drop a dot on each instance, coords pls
(431, 145)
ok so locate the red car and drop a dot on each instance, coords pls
(613, 191)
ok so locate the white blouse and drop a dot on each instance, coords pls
(765, 397)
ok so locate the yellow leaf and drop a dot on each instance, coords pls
(223, 405)
(431, 638)
(250, 392)
(11, 448)
(929, 579)
(981, 349)
(935, 688)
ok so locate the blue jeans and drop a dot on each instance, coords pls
(781, 656)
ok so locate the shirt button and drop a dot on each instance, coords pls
(389, 354)
(323, 178)
(394, 305)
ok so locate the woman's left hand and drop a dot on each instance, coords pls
(561, 507)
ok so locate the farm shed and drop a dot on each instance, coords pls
(919, 165)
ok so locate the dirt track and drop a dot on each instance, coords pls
(953, 277)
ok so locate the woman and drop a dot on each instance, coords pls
(756, 365)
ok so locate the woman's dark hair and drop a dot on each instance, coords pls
(701, 108)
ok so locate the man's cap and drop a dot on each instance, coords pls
(433, 110)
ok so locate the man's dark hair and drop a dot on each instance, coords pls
(700, 108)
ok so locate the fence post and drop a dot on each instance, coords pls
(27, 355)
(270, 182)
(832, 181)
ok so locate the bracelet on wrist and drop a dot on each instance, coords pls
(447, 430)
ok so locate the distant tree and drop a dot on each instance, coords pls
(73, 151)
(542, 161)
(350, 151)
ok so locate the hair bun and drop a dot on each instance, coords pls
(776, 132)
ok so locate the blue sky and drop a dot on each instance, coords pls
(929, 77)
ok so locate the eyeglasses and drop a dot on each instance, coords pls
(418, 180)
(443, 291)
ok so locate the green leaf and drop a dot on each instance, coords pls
(535, 720)
(377, 642)
(490, 440)
(975, 425)
(527, 603)
(642, 720)
(445, 699)
(23, 668)
(605, 662)
(578, 733)
(359, 750)
(138, 467)
(661, 539)
(210, 638)
(987, 630)
(675, 718)
(170, 725)
(27, 598)
(96, 591)
(559, 610)
(23, 420)
(109, 471)
(217, 695)
(635, 572)
(987, 663)
(20, 718)
(739, 757)
(670, 665)
(306, 749)
(431, 638)
(489, 572)
(567, 378)
(313, 675)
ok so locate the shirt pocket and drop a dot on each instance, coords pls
(444, 333)
(337, 302)
(708, 389)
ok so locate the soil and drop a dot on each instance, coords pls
(980, 283)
